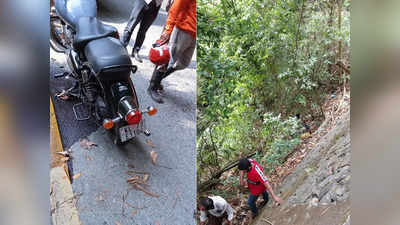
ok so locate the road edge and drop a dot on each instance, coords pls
(62, 199)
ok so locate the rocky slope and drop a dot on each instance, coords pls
(317, 191)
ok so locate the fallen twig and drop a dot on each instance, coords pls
(134, 172)
(141, 182)
(163, 166)
(134, 207)
(123, 203)
(140, 188)
(325, 210)
(265, 220)
(138, 182)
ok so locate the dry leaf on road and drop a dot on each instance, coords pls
(140, 188)
(140, 183)
(117, 223)
(62, 95)
(76, 176)
(154, 156)
(146, 177)
(100, 197)
(64, 159)
(148, 142)
(64, 153)
(157, 222)
(134, 212)
(86, 144)
(131, 166)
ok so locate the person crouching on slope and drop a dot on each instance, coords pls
(214, 210)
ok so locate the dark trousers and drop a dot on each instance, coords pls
(252, 201)
(213, 220)
(143, 14)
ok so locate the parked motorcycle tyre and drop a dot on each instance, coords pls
(55, 40)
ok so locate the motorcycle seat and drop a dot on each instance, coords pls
(107, 52)
(89, 29)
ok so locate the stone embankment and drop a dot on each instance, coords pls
(317, 191)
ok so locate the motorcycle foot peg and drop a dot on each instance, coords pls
(147, 133)
(59, 75)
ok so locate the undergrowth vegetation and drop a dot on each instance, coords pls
(261, 62)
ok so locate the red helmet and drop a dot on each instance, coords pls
(159, 55)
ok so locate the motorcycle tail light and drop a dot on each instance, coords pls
(152, 111)
(108, 124)
(133, 117)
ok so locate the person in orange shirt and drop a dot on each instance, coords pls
(180, 33)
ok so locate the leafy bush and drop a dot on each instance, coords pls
(259, 64)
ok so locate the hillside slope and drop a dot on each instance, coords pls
(317, 191)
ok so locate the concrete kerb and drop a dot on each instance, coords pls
(62, 199)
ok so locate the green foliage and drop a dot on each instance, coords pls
(259, 64)
(281, 135)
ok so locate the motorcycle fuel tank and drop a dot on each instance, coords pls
(72, 10)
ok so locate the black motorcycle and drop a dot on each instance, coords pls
(99, 66)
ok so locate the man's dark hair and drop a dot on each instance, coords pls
(244, 164)
(207, 203)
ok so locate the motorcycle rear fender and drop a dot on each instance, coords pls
(114, 103)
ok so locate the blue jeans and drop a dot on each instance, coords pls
(252, 202)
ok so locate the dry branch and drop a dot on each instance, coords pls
(140, 188)
(215, 178)
(140, 182)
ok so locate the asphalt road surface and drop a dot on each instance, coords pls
(103, 197)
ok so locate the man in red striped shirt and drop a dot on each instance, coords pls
(257, 183)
